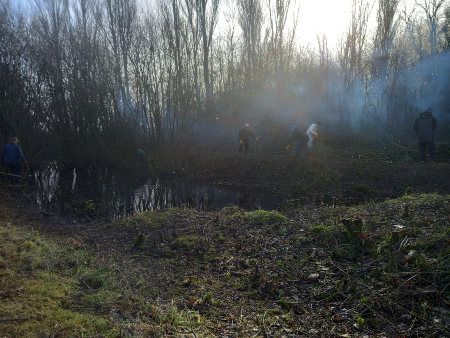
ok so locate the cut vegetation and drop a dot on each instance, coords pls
(378, 269)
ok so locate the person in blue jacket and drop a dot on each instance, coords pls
(13, 153)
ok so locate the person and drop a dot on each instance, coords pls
(312, 133)
(298, 141)
(425, 125)
(140, 155)
(244, 135)
(13, 153)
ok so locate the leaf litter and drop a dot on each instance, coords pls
(301, 272)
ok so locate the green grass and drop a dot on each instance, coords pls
(39, 282)
(260, 217)
(322, 229)
(148, 218)
(186, 243)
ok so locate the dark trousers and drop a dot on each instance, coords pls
(423, 150)
(246, 144)
(298, 148)
(14, 167)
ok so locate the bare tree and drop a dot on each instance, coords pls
(208, 12)
(77, 73)
(432, 10)
(251, 22)
(352, 46)
(278, 14)
(121, 17)
(384, 36)
(447, 27)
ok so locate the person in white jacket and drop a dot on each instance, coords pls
(312, 133)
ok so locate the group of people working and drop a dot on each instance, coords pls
(298, 142)
(300, 139)
(424, 126)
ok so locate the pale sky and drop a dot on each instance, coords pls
(333, 17)
(324, 16)
(316, 16)
(327, 16)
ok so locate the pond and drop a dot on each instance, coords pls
(116, 194)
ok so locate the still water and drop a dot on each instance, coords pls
(117, 194)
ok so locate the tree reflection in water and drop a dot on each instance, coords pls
(117, 194)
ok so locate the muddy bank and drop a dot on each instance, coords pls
(297, 273)
(324, 177)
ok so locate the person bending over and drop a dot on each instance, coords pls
(312, 133)
(298, 141)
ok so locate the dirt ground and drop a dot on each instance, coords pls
(329, 174)
(353, 263)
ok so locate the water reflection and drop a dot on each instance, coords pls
(119, 194)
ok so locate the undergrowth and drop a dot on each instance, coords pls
(303, 272)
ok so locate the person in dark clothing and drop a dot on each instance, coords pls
(298, 141)
(140, 156)
(13, 153)
(244, 138)
(425, 126)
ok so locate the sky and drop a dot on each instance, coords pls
(315, 17)
(323, 16)
(330, 17)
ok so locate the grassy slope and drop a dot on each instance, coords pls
(237, 273)
(39, 287)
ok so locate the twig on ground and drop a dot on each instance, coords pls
(82, 282)
(190, 322)
(264, 323)
(46, 213)
(405, 147)
(257, 333)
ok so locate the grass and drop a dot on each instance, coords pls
(39, 286)
(186, 243)
(60, 288)
(236, 273)
(322, 229)
(147, 218)
(260, 217)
